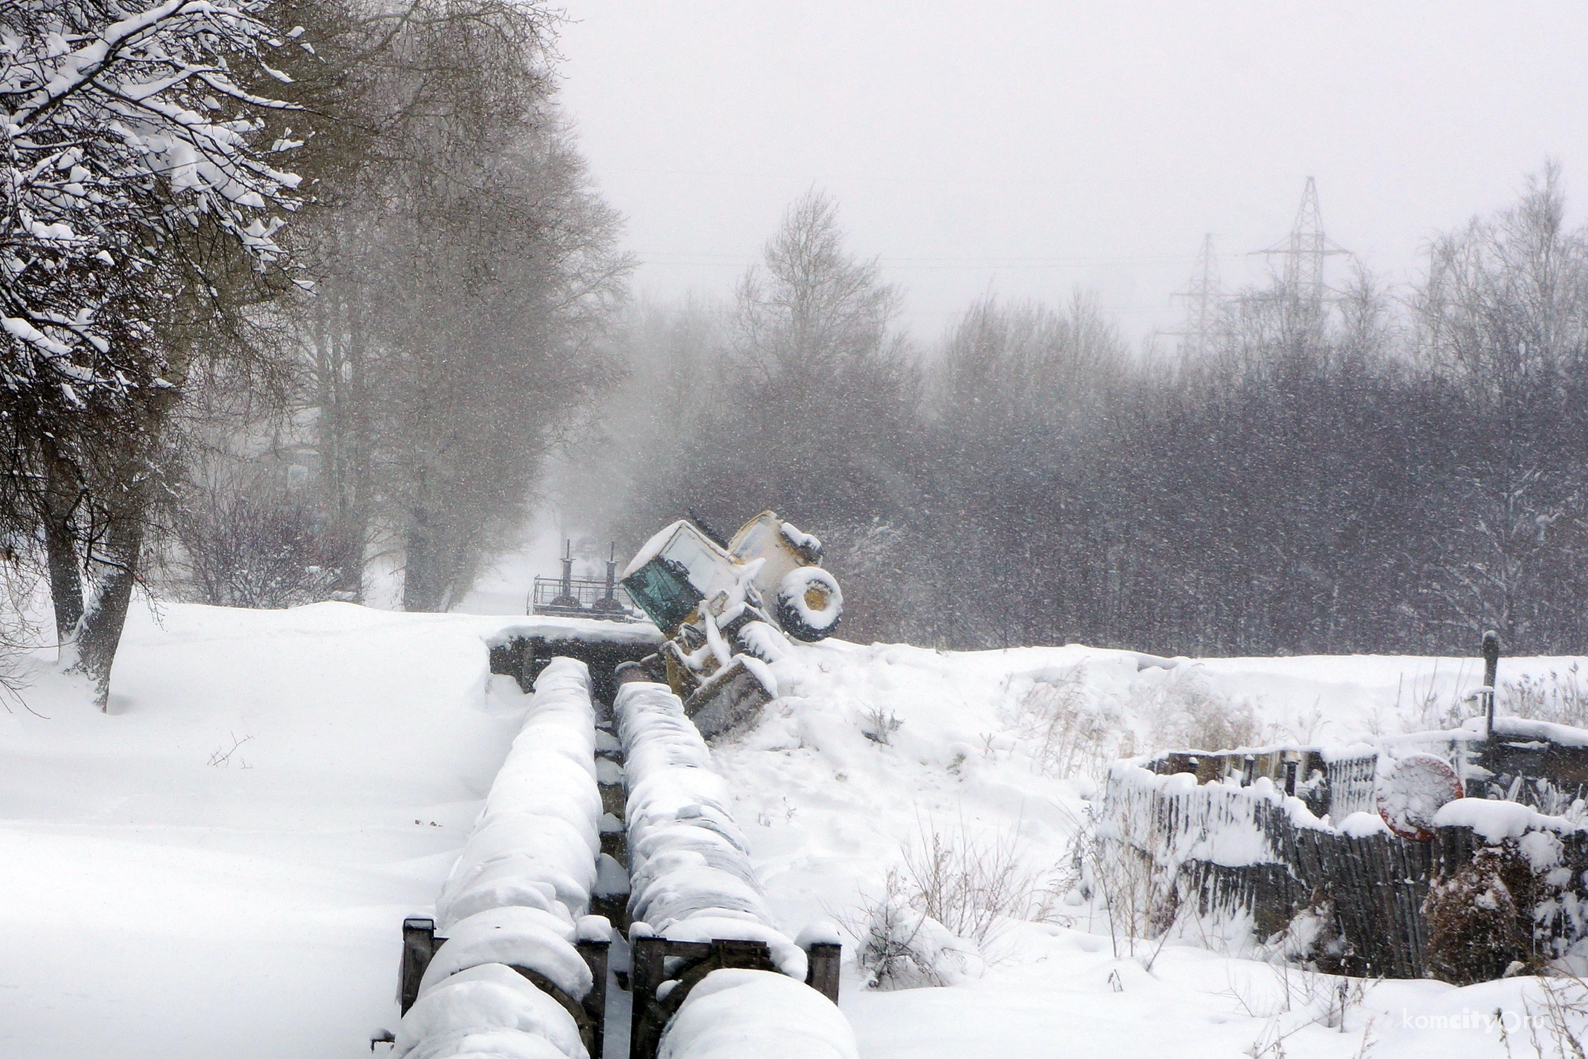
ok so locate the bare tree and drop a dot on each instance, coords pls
(1503, 314)
(468, 273)
(1504, 307)
(246, 540)
(811, 406)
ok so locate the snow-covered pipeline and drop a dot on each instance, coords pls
(733, 1013)
(689, 864)
(692, 881)
(519, 894)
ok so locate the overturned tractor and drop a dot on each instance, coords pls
(725, 604)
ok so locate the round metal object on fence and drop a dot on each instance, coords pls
(1412, 790)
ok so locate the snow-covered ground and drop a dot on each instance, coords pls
(221, 864)
(829, 810)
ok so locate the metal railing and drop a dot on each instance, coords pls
(581, 597)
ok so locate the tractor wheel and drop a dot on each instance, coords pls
(809, 603)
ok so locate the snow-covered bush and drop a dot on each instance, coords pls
(248, 541)
(1561, 698)
(968, 883)
(1069, 731)
(878, 725)
(1185, 712)
(901, 947)
(1477, 927)
(940, 907)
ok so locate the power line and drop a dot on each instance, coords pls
(692, 259)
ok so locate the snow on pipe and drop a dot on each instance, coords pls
(734, 1013)
(518, 896)
(691, 879)
(540, 827)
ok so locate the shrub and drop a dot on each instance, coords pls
(940, 907)
(968, 884)
(902, 947)
(1185, 712)
(249, 542)
(878, 725)
(1478, 917)
(1067, 730)
(1561, 698)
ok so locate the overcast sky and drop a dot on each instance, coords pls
(1024, 148)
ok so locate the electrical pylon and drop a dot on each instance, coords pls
(1202, 296)
(1304, 251)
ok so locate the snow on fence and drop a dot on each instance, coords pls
(1255, 851)
(697, 910)
(1331, 781)
(1273, 834)
(522, 967)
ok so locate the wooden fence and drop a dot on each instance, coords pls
(1371, 884)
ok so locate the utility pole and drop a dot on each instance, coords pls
(1202, 296)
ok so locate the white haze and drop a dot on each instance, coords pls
(1027, 147)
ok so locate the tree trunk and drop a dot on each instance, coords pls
(60, 546)
(419, 564)
(343, 440)
(103, 621)
(361, 486)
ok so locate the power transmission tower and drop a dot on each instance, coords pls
(1304, 251)
(1202, 296)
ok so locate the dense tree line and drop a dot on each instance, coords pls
(1376, 472)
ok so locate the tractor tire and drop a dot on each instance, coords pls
(809, 603)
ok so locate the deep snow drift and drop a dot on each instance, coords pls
(222, 864)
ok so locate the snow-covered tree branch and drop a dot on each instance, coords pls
(135, 179)
(119, 121)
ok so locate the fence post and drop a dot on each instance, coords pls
(419, 946)
(823, 959)
(595, 939)
(1491, 662)
(646, 954)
